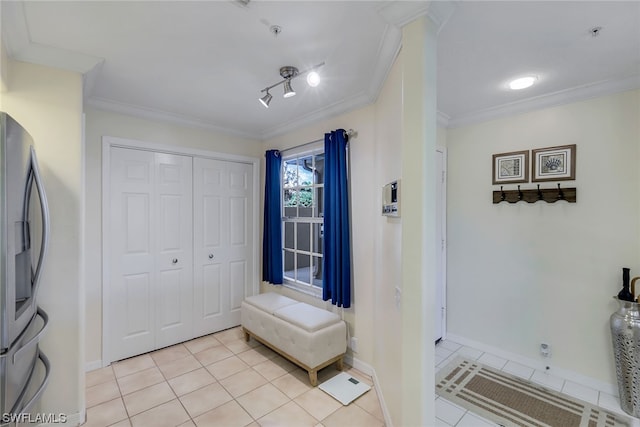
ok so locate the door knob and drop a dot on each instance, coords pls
(210, 256)
(174, 261)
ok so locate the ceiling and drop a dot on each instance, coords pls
(204, 63)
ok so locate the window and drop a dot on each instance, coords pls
(302, 219)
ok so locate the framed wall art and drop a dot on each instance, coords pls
(511, 167)
(554, 163)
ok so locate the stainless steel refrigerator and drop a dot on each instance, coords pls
(24, 234)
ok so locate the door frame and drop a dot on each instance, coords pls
(109, 142)
(443, 265)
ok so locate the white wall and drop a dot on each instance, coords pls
(101, 123)
(520, 274)
(48, 103)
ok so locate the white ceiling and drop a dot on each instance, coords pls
(204, 63)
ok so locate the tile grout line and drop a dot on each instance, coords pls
(250, 367)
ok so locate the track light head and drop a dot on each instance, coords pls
(313, 78)
(265, 100)
(288, 90)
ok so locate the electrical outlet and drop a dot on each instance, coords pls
(545, 349)
(354, 344)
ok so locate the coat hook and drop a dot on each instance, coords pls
(560, 193)
(503, 196)
(519, 193)
(539, 193)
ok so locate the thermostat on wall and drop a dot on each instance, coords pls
(391, 199)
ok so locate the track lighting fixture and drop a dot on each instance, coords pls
(288, 73)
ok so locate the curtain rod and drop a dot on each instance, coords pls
(347, 133)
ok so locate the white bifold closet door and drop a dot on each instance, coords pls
(223, 253)
(151, 251)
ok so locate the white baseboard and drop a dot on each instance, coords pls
(365, 368)
(566, 374)
(92, 366)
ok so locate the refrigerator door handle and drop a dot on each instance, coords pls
(34, 175)
(36, 338)
(27, 407)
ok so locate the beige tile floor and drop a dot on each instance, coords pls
(219, 380)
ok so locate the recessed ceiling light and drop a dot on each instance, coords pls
(522, 83)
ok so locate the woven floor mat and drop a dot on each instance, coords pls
(512, 401)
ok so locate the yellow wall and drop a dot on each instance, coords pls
(418, 220)
(387, 254)
(48, 103)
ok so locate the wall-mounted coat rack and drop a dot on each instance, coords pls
(549, 195)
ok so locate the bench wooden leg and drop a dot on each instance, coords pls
(247, 336)
(340, 364)
(313, 377)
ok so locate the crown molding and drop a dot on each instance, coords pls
(15, 36)
(163, 116)
(20, 47)
(90, 78)
(341, 107)
(15, 33)
(57, 58)
(387, 52)
(442, 119)
(566, 96)
(440, 11)
(400, 13)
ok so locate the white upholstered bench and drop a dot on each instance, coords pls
(308, 336)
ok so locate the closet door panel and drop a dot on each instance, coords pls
(171, 299)
(132, 272)
(209, 283)
(238, 279)
(210, 240)
(222, 193)
(240, 253)
(136, 312)
(174, 248)
(211, 304)
(238, 221)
